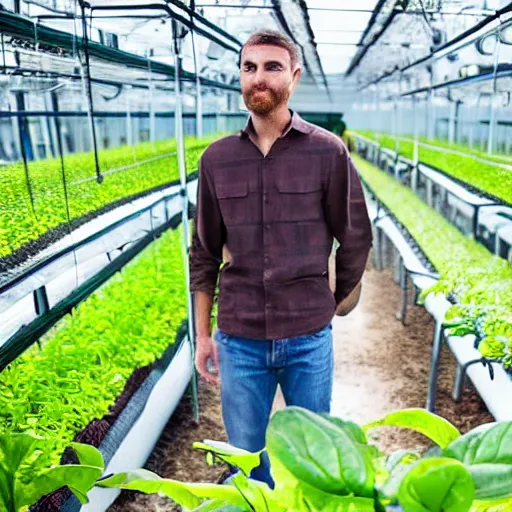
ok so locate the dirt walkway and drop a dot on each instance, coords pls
(381, 366)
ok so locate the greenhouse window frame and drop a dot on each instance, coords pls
(24, 28)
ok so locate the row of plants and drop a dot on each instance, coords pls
(76, 372)
(152, 166)
(478, 283)
(489, 178)
(318, 462)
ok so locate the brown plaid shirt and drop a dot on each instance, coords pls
(277, 216)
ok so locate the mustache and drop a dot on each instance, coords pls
(259, 88)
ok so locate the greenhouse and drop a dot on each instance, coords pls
(190, 186)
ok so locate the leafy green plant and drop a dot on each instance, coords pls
(58, 388)
(23, 481)
(127, 172)
(486, 177)
(319, 462)
(480, 281)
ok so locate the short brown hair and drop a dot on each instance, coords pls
(272, 38)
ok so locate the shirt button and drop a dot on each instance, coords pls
(267, 226)
(266, 275)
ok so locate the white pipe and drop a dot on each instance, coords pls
(142, 437)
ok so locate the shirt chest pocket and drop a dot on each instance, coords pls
(299, 198)
(233, 201)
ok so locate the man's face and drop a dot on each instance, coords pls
(267, 78)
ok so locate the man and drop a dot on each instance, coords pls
(271, 199)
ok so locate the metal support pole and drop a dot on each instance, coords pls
(474, 121)
(414, 177)
(434, 366)
(460, 380)
(377, 108)
(152, 127)
(404, 286)
(180, 146)
(199, 97)
(451, 122)
(492, 117)
(431, 115)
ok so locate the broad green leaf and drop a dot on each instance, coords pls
(188, 495)
(299, 496)
(242, 459)
(317, 452)
(503, 505)
(487, 453)
(14, 450)
(437, 485)
(219, 506)
(399, 464)
(437, 429)
(351, 428)
(257, 495)
(77, 477)
(492, 481)
(88, 455)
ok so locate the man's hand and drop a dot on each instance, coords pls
(349, 302)
(206, 350)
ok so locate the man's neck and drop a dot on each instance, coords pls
(272, 125)
(269, 128)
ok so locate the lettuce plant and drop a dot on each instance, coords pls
(489, 178)
(127, 171)
(478, 281)
(320, 462)
(57, 388)
(23, 481)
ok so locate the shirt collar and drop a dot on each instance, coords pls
(297, 123)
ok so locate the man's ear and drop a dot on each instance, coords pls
(296, 77)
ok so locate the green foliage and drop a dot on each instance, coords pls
(82, 366)
(323, 463)
(24, 479)
(463, 166)
(437, 485)
(437, 429)
(151, 165)
(481, 281)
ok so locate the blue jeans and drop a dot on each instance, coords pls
(250, 371)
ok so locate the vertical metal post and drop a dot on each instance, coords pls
(152, 128)
(404, 287)
(492, 117)
(46, 130)
(199, 97)
(451, 122)
(474, 121)
(180, 146)
(460, 379)
(434, 367)
(377, 108)
(431, 115)
(414, 178)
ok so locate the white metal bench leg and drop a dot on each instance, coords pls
(434, 367)
(404, 286)
(460, 378)
(377, 248)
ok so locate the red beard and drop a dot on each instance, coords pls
(264, 101)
